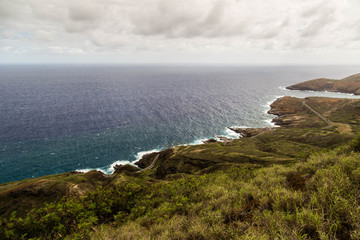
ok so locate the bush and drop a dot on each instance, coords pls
(74, 216)
(355, 144)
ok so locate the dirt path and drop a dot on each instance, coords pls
(330, 124)
(151, 165)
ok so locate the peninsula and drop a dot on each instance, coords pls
(349, 84)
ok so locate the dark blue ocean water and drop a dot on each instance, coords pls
(55, 119)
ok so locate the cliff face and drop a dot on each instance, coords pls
(349, 84)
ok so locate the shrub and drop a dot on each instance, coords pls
(355, 144)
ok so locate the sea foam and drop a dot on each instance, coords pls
(139, 155)
(108, 169)
(85, 170)
(269, 121)
(232, 134)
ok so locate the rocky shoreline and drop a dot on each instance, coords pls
(251, 132)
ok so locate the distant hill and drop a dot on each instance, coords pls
(349, 84)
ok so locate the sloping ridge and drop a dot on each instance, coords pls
(350, 84)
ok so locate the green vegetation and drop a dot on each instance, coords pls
(355, 144)
(318, 199)
(32, 193)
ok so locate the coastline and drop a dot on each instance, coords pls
(228, 133)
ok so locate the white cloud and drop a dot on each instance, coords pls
(190, 28)
(8, 34)
(84, 11)
(14, 50)
(66, 50)
(43, 35)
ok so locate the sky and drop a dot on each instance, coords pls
(247, 32)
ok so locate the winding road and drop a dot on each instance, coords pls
(151, 165)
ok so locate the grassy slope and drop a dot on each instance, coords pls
(315, 199)
(23, 195)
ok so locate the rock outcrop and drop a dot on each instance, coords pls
(251, 132)
(147, 159)
(125, 169)
(211, 140)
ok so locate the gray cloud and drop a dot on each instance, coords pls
(322, 18)
(43, 35)
(313, 9)
(189, 19)
(84, 11)
(47, 10)
(167, 27)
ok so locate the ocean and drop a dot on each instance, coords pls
(59, 118)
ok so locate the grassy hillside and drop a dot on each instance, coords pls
(314, 199)
(297, 181)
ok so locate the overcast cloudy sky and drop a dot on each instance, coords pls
(180, 31)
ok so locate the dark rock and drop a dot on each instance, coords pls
(250, 132)
(223, 138)
(146, 160)
(125, 168)
(211, 140)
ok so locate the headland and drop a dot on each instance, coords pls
(349, 84)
